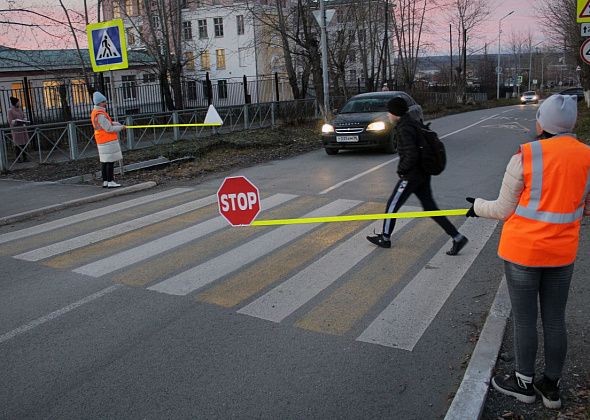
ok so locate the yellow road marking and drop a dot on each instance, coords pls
(279, 264)
(91, 225)
(339, 312)
(116, 244)
(191, 254)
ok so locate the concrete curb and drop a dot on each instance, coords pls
(471, 395)
(72, 203)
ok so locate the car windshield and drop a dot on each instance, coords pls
(365, 105)
(529, 93)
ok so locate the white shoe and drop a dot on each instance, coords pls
(105, 184)
(113, 184)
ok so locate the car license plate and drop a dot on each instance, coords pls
(347, 139)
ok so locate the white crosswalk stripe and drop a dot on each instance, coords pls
(121, 228)
(289, 296)
(216, 268)
(66, 221)
(406, 319)
(126, 258)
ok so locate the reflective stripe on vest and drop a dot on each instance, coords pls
(531, 211)
(101, 136)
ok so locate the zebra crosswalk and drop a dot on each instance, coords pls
(324, 278)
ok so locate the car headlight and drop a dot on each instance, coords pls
(535, 98)
(376, 126)
(327, 128)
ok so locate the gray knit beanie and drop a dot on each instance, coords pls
(558, 114)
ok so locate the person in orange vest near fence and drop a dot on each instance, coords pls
(544, 195)
(107, 141)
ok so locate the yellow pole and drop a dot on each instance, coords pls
(174, 125)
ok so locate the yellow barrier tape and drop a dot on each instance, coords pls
(174, 125)
(350, 218)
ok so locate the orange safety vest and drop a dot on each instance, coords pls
(544, 229)
(101, 136)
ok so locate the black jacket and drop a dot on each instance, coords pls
(408, 149)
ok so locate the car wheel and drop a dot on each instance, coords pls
(391, 146)
(331, 152)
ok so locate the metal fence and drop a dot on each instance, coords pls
(58, 142)
(61, 101)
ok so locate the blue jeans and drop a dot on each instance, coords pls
(551, 285)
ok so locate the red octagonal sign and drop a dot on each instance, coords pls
(239, 200)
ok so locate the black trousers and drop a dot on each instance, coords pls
(402, 191)
(108, 171)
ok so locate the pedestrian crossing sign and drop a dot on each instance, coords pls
(107, 46)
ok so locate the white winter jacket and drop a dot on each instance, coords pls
(512, 187)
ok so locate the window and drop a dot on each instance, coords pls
(240, 22)
(189, 58)
(218, 24)
(183, 4)
(222, 89)
(187, 30)
(242, 56)
(51, 94)
(191, 90)
(205, 60)
(351, 37)
(129, 87)
(205, 90)
(220, 55)
(352, 56)
(362, 35)
(352, 75)
(156, 23)
(18, 91)
(130, 36)
(202, 28)
(129, 7)
(79, 92)
(116, 9)
(149, 78)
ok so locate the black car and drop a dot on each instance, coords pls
(576, 91)
(363, 123)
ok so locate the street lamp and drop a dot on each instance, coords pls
(498, 68)
(531, 60)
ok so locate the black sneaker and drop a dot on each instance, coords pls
(549, 391)
(515, 385)
(379, 240)
(457, 246)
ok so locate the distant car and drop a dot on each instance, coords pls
(363, 123)
(529, 96)
(577, 91)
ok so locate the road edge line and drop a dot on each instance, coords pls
(470, 398)
(72, 203)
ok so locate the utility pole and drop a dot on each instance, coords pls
(324, 42)
(386, 42)
(451, 73)
(498, 68)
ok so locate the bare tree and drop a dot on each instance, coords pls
(465, 16)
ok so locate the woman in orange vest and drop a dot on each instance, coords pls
(105, 135)
(544, 195)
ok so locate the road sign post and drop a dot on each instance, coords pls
(238, 200)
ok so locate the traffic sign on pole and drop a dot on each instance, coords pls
(585, 29)
(585, 51)
(107, 45)
(238, 200)
(583, 11)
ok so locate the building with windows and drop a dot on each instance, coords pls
(51, 85)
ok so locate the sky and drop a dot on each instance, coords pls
(522, 20)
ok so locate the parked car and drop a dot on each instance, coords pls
(529, 96)
(363, 123)
(576, 91)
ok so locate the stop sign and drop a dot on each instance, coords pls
(239, 200)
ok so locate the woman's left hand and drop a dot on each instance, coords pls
(471, 211)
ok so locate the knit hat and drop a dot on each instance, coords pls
(98, 98)
(558, 113)
(14, 100)
(397, 106)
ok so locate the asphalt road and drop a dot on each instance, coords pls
(156, 308)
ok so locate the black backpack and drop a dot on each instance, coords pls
(433, 157)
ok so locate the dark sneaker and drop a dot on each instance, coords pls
(549, 391)
(379, 240)
(515, 385)
(457, 246)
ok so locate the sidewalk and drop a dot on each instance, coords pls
(25, 199)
